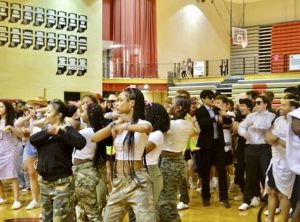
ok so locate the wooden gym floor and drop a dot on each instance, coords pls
(196, 213)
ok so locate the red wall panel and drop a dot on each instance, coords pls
(285, 41)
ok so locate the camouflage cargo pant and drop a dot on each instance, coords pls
(86, 180)
(128, 193)
(57, 200)
(172, 170)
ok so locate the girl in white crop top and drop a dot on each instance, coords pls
(131, 185)
(87, 163)
(172, 162)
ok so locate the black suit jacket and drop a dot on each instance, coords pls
(206, 136)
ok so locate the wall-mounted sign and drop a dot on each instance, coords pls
(27, 14)
(72, 43)
(3, 35)
(199, 68)
(61, 20)
(72, 66)
(50, 18)
(294, 62)
(61, 42)
(27, 39)
(72, 21)
(39, 16)
(61, 65)
(82, 66)
(39, 40)
(82, 23)
(50, 41)
(15, 12)
(15, 37)
(3, 10)
(82, 45)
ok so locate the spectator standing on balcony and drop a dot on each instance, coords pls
(183, 69)
(189, 67)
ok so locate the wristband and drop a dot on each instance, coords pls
(112, 124)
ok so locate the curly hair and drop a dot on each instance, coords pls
(158, 116)
(10, 113)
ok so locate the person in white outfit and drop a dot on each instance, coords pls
(257, 152)
(280, 179)
(293, 154)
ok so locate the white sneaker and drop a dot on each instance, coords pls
(239, 197)
(182, 206)
(244, 207)
(16, 205)
(277, 211)
(255, 201)
(3, 201)
(32, 205)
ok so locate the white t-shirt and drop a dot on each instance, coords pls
(176, 139)
(293, 144)
(140, 141)
(88, 151)
(157, 138)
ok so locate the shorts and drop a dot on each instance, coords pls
(271, 180)
(228, 158)
(29, 152)
(187, 154)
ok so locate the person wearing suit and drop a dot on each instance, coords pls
(211, 143)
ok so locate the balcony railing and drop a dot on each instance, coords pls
(235, 66)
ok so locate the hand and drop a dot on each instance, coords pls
(270, 138)
(247, 136)
(54, 130)
(250, 124)
(223, 113)
(32, 113)
(119, 128)
(8, 129)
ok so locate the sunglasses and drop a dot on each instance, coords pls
(210, 97)
(194, 103)
(258, 102)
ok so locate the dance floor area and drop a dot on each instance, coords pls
(195, 213)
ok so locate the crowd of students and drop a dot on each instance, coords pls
(95, 162)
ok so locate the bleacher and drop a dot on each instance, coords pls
(232, 87)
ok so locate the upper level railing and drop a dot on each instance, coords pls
(220, 67)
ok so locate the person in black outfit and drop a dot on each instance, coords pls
(245, 107)
(54, 147)
(211, 143)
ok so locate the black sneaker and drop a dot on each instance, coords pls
(226, 204)
(205, 203)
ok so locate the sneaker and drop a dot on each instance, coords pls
(255, 201)
(16, 205)
(191, 183)
(244, 207)
(182, 206)
(32, 205)
(199, 189)
(205, 203)
(277, 211)
(3, 201)
(239, 197)
(226, 204)
(27, 189)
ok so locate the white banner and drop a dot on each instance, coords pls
(294, 62)
(199, 68)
